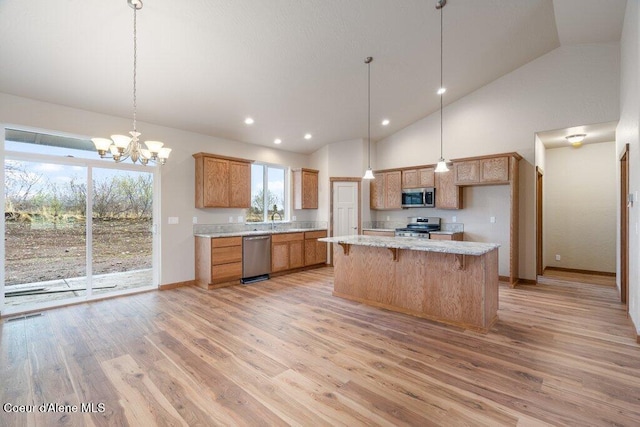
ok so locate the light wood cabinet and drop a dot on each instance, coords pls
(452, 236)
(386, 190)
(379, 233)
(287, 251)
(418, 178)
(448, 195)
(493, 170)
(315, 252)
(218, 261)
(222, 182)
(305, 189)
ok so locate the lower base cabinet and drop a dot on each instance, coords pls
(218, 261)
(314, 252)
(287, 251)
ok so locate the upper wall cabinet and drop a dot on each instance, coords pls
(448, 195)
(492, 170)
(222, 182)
(386, 190)
(418, 178)
(305, 188)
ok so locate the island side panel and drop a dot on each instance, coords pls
(425, 284)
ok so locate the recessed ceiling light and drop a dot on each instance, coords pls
(248, 121)
(307, 136)
(385, 122)
(277, 141)
(442, 90)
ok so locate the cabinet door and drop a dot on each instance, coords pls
(393, 190)
(216, 183)
(309, 190)
(310, 251)
(448, 195)
(239, 185)
(321, 252)
(376, 192)
(279, 256)
(296, 254)
(467, 173)
(494, 170)
(426, 177)
(410, 179)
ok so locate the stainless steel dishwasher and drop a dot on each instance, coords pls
(256, 258)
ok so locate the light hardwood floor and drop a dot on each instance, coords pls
(286, 352)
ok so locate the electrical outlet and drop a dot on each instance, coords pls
(195, 219)
(454, 219)
(557, 257)
(230, 219)
(388, 217)
(240, 218)
(293, 218)
(492, 220)
(173, 220)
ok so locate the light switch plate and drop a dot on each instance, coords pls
(492, 220)
(173, 220)
(195, 219)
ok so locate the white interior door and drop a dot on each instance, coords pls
(345, 208)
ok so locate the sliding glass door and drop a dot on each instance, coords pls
(68, 240)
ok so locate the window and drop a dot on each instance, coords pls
(268, 198)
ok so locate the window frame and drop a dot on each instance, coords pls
(265, 185)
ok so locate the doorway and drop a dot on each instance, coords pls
(624, 227)
(76, 227)
(345, 206)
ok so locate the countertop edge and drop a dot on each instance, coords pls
(416, 244)
(256, 232)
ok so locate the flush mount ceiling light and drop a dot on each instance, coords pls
(576, 140)
(442, 164)
(368, 173)
(385, 122)
(307, 136)
(122, 147)
(248, 121)
(277, 141)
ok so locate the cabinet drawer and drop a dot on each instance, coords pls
(223, 242)
(226, 255)
(226, 272)
(315, 234)
(286, 237)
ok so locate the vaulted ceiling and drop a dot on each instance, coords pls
(294, 66)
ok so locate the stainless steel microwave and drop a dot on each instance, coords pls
(419, 197)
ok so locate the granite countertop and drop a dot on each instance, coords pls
(416, 244)
(256, 232)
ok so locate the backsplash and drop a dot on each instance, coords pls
(233, 228)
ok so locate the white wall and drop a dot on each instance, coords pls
(580, 207)
(627, 133)
(177, 176)
(570, 86)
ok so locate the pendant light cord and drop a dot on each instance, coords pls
(135, 65)
(369, 59)
(441, 85)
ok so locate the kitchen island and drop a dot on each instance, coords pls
(446, 281)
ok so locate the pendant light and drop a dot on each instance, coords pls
(122, 147)
(369, 173)
(442, 164)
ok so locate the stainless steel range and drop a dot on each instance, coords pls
(419, 226)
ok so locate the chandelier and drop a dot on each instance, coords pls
(122, 147)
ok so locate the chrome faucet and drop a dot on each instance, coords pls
(273, 215)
